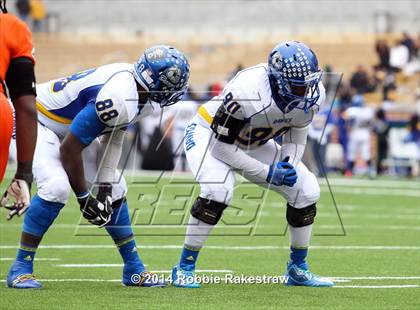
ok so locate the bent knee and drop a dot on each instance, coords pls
(217, 192)
(55, 190)
(309, 194)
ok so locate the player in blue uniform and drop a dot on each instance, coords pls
(73, 112)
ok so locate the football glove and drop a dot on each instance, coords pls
(104, 192)
(19, 192)
(282, 173)
(96, 212)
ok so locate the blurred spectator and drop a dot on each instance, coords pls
(414, 131)
(213, 90)
(238, 68)
(342, 132)
(417, 46)
(413, 140)
(382, 50)
(344, 95)
(413, 66)
(359, 119)
(386, 80)
(331, 81)
(381, 128)
(38, 14)
(181, 113)
(318, 137)
(216, 88)
(156, 134)
(23, 9)
(409, 43)
(362, 81)
(399, 56)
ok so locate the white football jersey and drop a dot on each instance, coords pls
(112, 88)
(248, 97)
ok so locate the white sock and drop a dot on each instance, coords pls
(197, 233)
(300, 236)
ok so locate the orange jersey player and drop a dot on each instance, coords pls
(17, 81)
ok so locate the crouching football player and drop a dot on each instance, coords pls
(73, 113)
(259, 104)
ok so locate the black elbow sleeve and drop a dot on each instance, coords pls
(20, 78)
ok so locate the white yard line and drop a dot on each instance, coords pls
(378, 286)
(372, 191)
(223, 247)
(121, 265)
(367, 228)
(370, 183)
(376, 278)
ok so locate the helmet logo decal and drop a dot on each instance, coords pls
(277, 60)
(155, 54)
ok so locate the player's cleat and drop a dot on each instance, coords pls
(20, 276)
(184, 278)
(143, 279)
(300, 276)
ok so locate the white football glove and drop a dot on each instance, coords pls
(19, 194)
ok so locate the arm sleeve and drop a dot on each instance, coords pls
(87, 126)
(20, 78)
(238, 159)
(294, 142)
(109, 154)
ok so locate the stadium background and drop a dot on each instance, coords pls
(221, 36)
(367, 229)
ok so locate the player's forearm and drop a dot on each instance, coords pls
(110, 153)
(293, 151)
(26, 134)
(238, 159)
(71, 158)
(294, 142)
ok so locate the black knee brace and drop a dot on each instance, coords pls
(301, 217)
(208, 211)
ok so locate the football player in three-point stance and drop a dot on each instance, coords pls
(259, 104)
(73, 113)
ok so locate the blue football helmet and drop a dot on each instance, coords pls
(163, 72)
(294, 76)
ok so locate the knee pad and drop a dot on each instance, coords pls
(301, 217)
(208, 211)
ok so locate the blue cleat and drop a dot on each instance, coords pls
(301, 276)
(20, 276)
(184, 278)
(142, 278)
